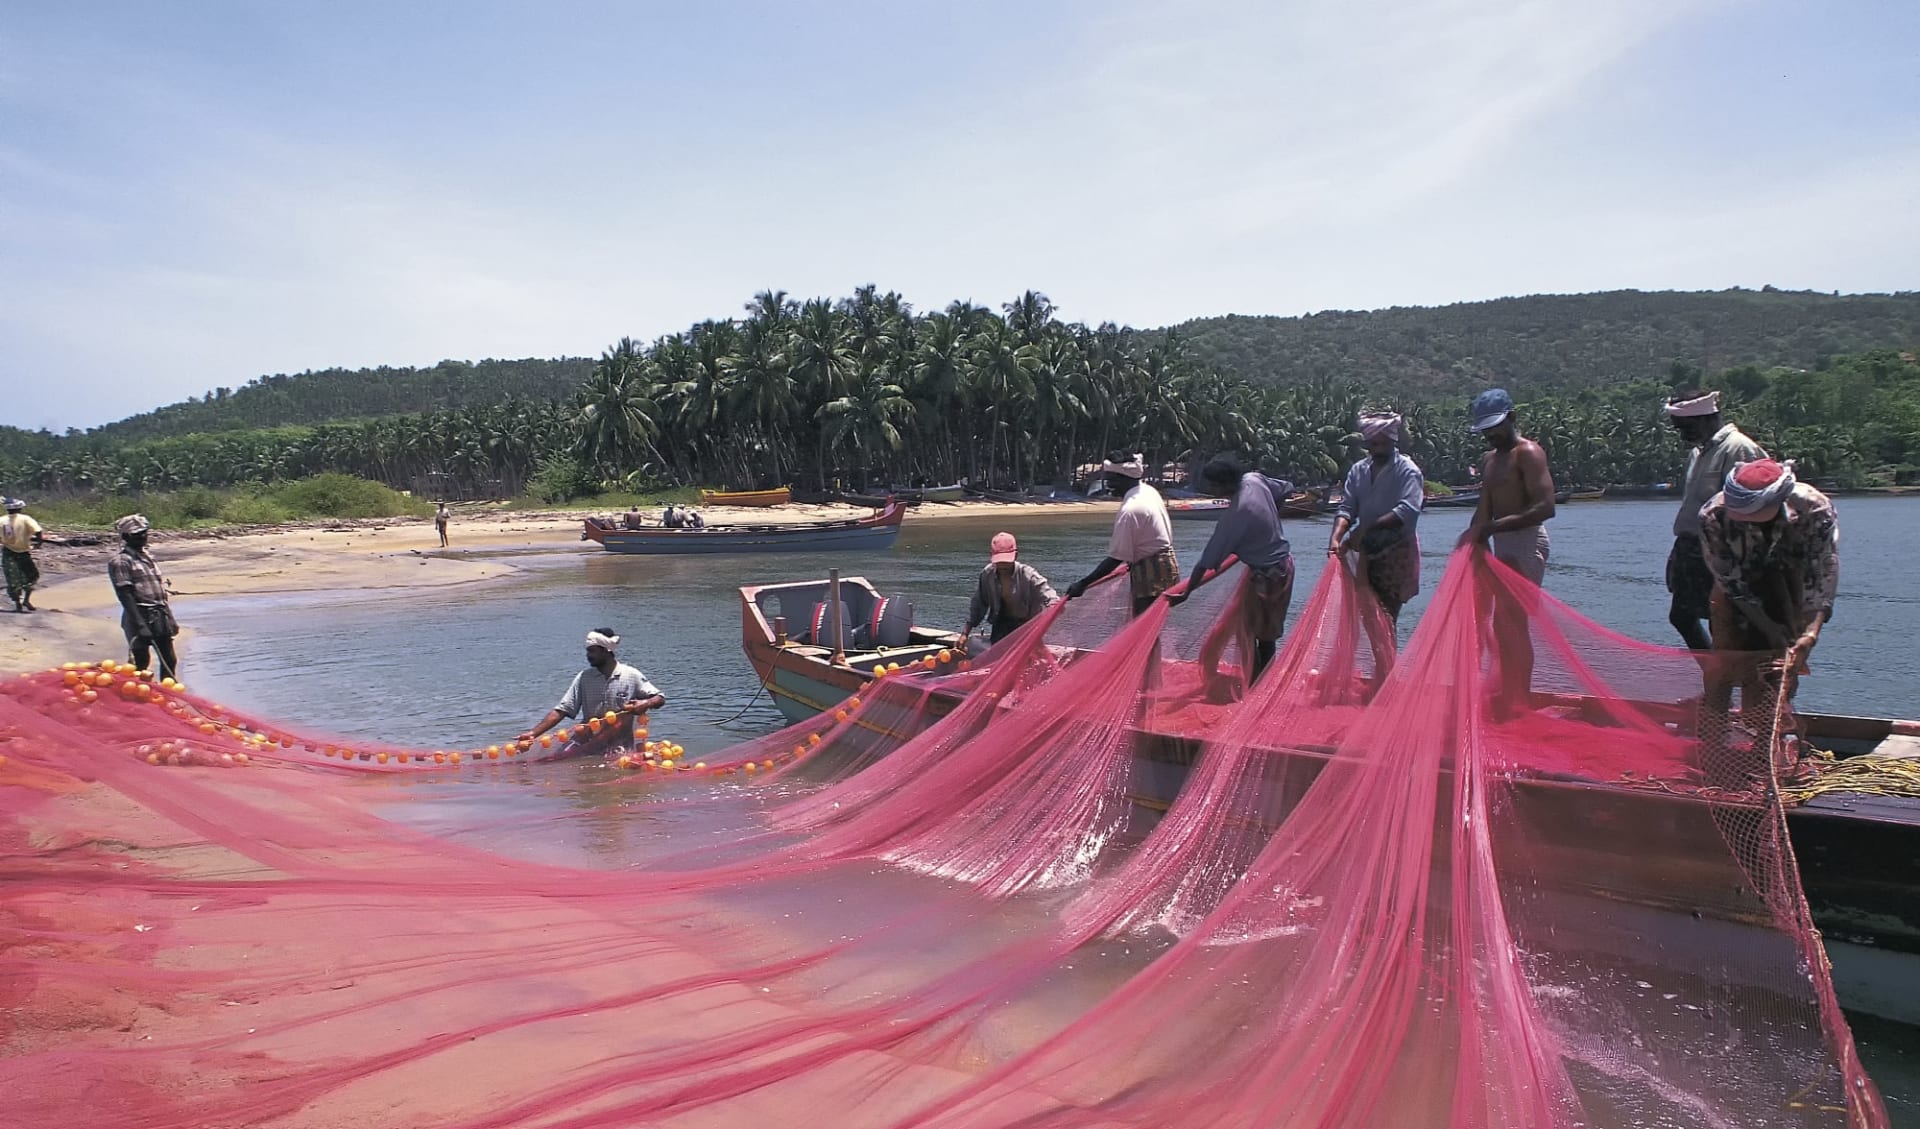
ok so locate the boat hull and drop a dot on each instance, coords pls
(754, 498)
(867, 534)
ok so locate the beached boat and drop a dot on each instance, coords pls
(789, 636)
(875, 532)
(1859, 864)
(778, 497)
(954, 493)
(1197, 509)
(1589, 495)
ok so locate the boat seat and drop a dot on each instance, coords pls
(892, 623)
(820, 628)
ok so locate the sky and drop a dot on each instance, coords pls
(195, 194)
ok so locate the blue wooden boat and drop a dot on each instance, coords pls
(867, 533)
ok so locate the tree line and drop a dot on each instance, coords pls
(866, 392)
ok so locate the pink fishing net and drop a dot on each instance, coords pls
(1090, 878)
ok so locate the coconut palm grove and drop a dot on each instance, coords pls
(865, 392)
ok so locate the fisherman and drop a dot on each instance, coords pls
(1251, 531)
(1142, 535)
(631, 519)
(440, 518)
(606, 685)
(1718, 447)
(20, 535)
(1516, 500)
(695, 521)
(1379, 510)
(1009, 592)
(146, 616)
(1773, 546)
(671, 518)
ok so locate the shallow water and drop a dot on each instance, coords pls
(475, 664)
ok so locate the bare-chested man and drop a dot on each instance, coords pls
(1516, 499)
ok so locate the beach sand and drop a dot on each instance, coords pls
(79, 619)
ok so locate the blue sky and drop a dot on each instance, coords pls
(195, 194)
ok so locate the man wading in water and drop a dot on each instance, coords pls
(1516, 500)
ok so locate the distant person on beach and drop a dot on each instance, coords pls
(1009, 592)
(1516, 501)
(1379, 509)
(20, 535)
(440, 517)
(1718, 447)
(1142, 535)
(146, 617)
(1250, 530)
(1773, 546)
(606, 685)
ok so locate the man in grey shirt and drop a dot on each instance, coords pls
(606, 686)
(1251, 531)
(1379, 509)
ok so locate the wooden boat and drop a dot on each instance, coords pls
(1589, 495)
(953, 493)
(1859, 865)
(778, 497)
(778, 623)
(1459, 499)
(875, 532)
(1197, 509)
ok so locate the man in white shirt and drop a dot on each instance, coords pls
(1718, 447)
(1142, 536)
(607, 685)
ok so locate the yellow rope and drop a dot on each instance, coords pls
(1872, 774)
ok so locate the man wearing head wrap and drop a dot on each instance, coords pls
(20, 535)
(1379, 509)
(1142, 535)
(1251, 531)
(1516, 501)
(1009, 592)
(607, 685)
(146, 615)
(1773, 546)
(1717, 448)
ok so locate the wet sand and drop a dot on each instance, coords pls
(79, 618)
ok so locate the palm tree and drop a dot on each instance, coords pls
(617, 415)
(869, 418)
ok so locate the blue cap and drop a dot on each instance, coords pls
(1491, 408)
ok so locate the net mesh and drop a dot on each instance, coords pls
(1090, 878)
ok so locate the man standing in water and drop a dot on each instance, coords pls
(1142, 536)
(146, 617)
(607, 685)
(1516, 500)
(1717, 448)
(20, 535)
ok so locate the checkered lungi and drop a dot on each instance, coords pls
(1151, 576)
(1265, 600)
(1394, 573)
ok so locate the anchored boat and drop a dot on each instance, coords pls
(759, 498)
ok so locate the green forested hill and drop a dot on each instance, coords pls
(1551, 343)
(330, 395)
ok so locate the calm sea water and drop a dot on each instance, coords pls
(475, 664)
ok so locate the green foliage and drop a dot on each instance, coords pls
(343, 495)
(324, 496)
(562, 478)
(866, 392)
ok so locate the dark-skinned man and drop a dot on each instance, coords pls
(1773, 546)
(1516, 500)
(1142, 535)
(1718, 446)
(607, 685)
(146, 617)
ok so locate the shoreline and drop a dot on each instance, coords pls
(78, 617)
